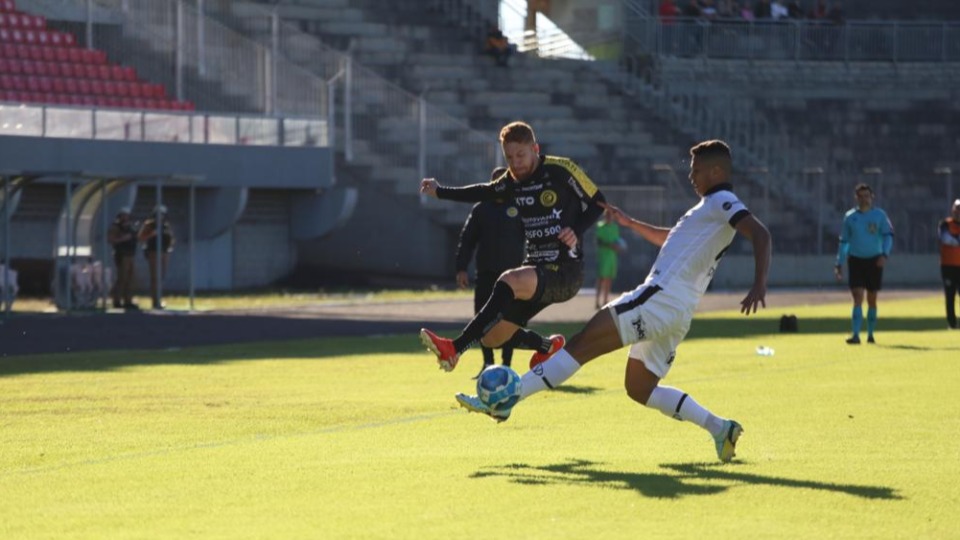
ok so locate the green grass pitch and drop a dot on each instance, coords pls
(360, 438)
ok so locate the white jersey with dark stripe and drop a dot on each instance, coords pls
(693, 248)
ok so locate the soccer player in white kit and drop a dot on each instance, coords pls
(655, 317)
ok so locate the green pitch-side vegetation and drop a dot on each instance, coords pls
(359, 438)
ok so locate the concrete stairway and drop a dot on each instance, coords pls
(574, 112)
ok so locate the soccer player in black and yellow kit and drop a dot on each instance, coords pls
(557, 202)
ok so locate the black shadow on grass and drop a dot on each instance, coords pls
(746, 326)
(682, 479)
(573, 389)
(36, 343)
(717, 471)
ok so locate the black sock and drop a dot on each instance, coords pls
(507, 355)
(487, 356)
(529, 340)
(489, 315)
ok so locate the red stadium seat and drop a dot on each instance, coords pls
(96, 87)
(71, 86)
(83, 86)
(53, 69)
(104, 72)
(136, 90)
(76, 55)
(5, 35)
(90, 71)
(41, 69)
(7, 5)
(46, 84)
(43, 38)
(49, 54)
(63, 55)
(8, 50)
(32, 83)
(29, 37)
(123, 88)
(59, 85)
(13, 20)
(66, 69)
(109, 88)
(28, 67)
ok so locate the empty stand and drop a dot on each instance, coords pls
(42, 65)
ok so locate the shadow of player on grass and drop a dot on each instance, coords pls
(681, 479)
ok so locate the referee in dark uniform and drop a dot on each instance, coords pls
(494, 232)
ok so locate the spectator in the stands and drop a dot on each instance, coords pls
(668, 11)
(498, 46)
(794, 10)
(692, 9)
(836, 14)
(778, 11)
(708, 10)
(819, 11)
(762, 10)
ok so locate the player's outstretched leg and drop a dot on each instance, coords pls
(447, 355)
(556, 343)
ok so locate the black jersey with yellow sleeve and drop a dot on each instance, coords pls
(558, 194)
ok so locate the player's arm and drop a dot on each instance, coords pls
(755, 231)
(651, 233)
(943, 233)
(471, 193)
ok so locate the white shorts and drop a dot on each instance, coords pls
(655, 322)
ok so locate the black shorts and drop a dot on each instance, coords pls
(556, 282)
(865, 274)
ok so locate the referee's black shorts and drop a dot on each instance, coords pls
(864, 273)
(556, 282)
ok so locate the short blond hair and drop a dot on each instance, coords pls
(518, 132)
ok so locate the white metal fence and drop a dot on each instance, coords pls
(889, 41)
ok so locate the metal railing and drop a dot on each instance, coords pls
(799, 40)
(130, 125)
(274, 68)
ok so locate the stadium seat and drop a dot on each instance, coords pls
(70, 86)
(59, 85)
(109, 88)
(83, 86)
(96, 88)
(8, 5)
(104, 72)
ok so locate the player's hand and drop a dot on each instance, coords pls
(568, 237)
(616, 214)
(462, 279)
(757, 295)
(428, 186)
(838, 272)
(881, 261)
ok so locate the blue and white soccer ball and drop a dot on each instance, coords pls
(498, 387)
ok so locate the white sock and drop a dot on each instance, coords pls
(550, 374)
(675, 403)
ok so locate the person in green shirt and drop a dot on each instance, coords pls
(609, 246)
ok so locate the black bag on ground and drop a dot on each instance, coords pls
(788, 323)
